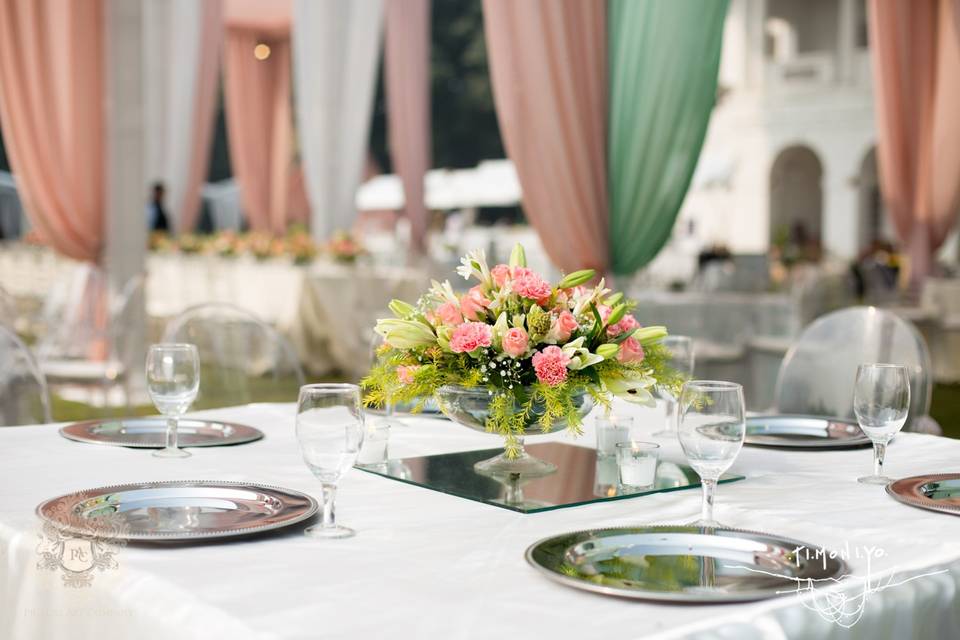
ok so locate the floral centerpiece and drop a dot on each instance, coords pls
(514, 355)
(343, 247)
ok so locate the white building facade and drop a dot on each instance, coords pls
(791, 143)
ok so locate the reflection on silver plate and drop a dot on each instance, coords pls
(804, 432)
(177, 510)
(936, 492)
(683, 563)
(150, 432)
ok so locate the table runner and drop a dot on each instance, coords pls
(426, 564)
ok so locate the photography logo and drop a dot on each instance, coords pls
(78, 547)
(842, 607)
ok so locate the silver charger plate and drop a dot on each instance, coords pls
(682, 563)
(936, 492)
(804, 432)
(150, 432)
(177, 510)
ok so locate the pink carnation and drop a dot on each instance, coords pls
(551, 365)
(470, 336)
(473, 304)
(500, 274)
(630, 351)
(405, 374)
(530, 285)
(515, 342)
(449, 314)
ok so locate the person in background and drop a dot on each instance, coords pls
(156, 211)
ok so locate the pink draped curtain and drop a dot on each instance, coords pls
(548, 64)
(51, 106)
(259, 117)
(205, 110)
(916, 68)
(407, 83)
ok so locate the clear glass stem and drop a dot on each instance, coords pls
(879, 451)
(172, 424)
(329, 495)
(709, 490)
(670, 406)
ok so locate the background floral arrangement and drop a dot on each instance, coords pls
(344, 247)
(527, 342)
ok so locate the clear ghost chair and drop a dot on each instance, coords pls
(107, 343)
(242, 358)
(23, 388)
(8, 309)
(818, 373)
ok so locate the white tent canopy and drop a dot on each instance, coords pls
(492, 183)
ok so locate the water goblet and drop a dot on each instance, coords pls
(681, 361)
(712, 429)
(881, 401)
(173, 379)
(330, 432)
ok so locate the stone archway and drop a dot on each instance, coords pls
(796, 199)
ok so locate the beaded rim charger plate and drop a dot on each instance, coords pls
(804, 432)
(935, 492)
(177, 510)
(151, 432)
(684, 564)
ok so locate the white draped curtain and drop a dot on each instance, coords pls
(335, 53)
(181, 48)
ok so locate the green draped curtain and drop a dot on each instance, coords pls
(663, 61)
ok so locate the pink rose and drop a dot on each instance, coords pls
(473, 304)
(530, 285)
(630, 351)
(449, 314)
(500, 274)
(566, 324)
(515, 342)
(470, 336)
(551, 365)
(405, 374)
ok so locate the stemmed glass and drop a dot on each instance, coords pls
(173, 379)
(712, 428)
(330, 432)
(881, 401)
(681, 361)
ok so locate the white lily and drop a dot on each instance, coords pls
(444, 291)
(405, 334)
(633, 389)
(580, 358)
(475, 264)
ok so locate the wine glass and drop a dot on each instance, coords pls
(173, 379)
(881, 401)
(681, 361)
(712, 428)
(330, 432)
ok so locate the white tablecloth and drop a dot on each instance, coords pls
(430, 565)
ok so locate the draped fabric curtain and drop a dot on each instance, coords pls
(663, 57)
(335, 55)
(549, 72)
(916, 57)
(257, 104)
(51, 106)
(407, 82)
(182, 41)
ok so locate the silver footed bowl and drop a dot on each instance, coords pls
(470, 407)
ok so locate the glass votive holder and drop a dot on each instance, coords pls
(637, 463)
(612, 430)
(376, 437)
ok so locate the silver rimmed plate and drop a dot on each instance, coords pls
(150, 432)
(804, 432)
(177, 510)
(683, 563)
(936, 492)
